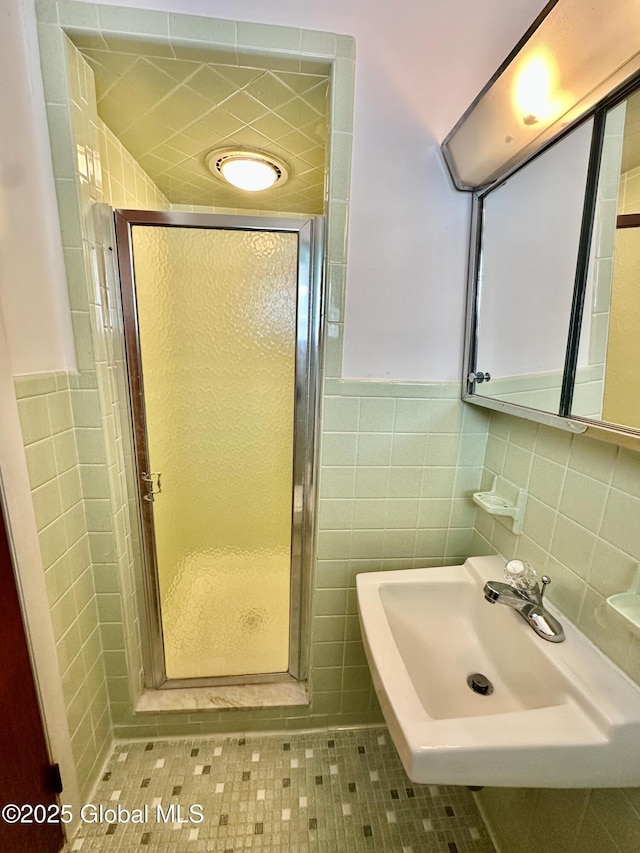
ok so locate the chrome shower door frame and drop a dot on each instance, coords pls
(310, 267)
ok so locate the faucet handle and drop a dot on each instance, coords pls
(546, 580)
(521, 575)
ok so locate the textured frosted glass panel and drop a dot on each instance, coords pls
(217, 326)
(621, 405)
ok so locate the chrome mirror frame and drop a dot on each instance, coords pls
(611, 92)
(563, 419)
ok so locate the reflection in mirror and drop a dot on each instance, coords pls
(529, 248)
(610, 343)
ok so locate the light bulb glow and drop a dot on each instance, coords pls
(248, 174)
(533, 92)
(246, 168)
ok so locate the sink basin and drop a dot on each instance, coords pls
(560, 714)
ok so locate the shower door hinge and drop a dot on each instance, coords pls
(148, 478)
(54, 779)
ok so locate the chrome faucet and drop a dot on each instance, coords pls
(528, 602)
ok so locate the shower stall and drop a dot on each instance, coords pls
(222, 328)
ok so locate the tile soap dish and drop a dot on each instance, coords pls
(627, 605)
(495, 504)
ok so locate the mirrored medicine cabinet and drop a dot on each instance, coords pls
(553, 315)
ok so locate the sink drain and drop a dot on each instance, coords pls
(479, 683)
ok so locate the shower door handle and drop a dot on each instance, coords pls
(148, 478)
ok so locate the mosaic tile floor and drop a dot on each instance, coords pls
(319, 792)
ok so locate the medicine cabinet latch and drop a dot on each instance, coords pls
(479, 377)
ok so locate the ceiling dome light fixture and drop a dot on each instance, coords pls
(246, 169)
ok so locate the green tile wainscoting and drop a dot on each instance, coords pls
(383, 504)
(399, 463)
(47, 408)
(580, 528)
(580, 524)
(557, 468)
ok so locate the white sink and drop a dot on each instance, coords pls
(560, 715)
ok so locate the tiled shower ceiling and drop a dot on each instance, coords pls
(169, 113)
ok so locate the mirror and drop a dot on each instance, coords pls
(528, 256)
(610, 343)
(554, 311)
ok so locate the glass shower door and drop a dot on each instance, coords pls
(217, 319)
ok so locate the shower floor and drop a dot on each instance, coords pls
(319, 792)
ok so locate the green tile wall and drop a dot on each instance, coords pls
(125, 183)
(580, 528)
(80, 181)
(47, 419)
(101, 447)
(398, 466)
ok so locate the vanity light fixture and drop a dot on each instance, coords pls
(573, 55)
(247, 169)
